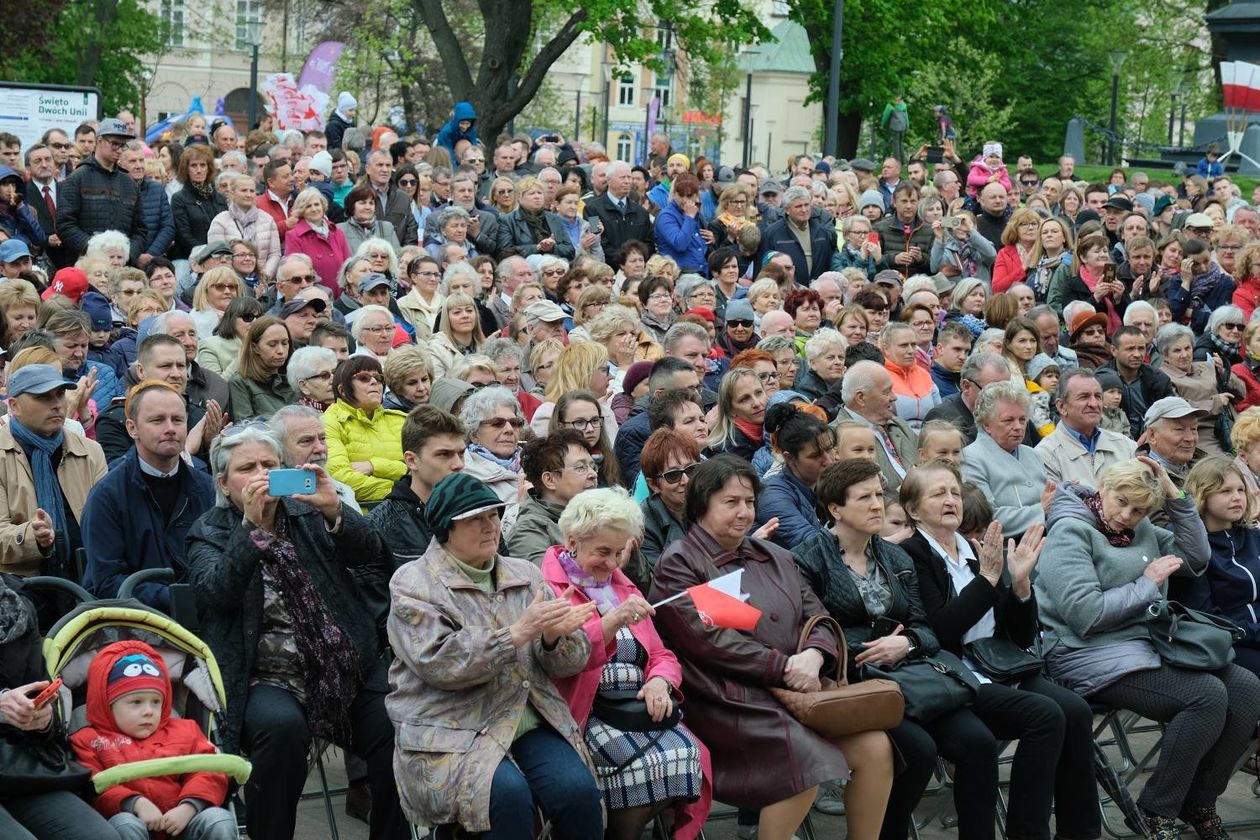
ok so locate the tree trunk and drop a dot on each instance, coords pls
(89, 60)
(850, 133)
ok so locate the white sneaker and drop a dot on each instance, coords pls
(830, 799)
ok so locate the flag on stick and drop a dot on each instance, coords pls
(721, 603)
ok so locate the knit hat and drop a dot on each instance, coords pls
(96, 306)
(680, 156)
(1108, 379)
(70, 281)
(1161, 204)
(445, 392)
(322, 163)
(871, 198)
(992, 149)
(739, 310)
(346, 102)
(131, 673)
(457, 496)
(1039, 364)
(635, 374)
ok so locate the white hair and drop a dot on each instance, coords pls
(108, 240)
(356, 328)
(375, 243)
(305, 361)
(823, 340)
(996, 393)
(603, 509)
(1139, 306)
(1076, 307)
(861, 379)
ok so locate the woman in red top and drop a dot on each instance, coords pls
(318, 238)
(1018, 241)
(1247, 275)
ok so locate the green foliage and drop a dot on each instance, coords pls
(88, 42)
(967, 76)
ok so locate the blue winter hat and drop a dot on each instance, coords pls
(96, 306)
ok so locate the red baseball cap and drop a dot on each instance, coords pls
(71, 282)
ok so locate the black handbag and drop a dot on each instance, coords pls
(932, 685)
(1189, 638)
(1001, 660)
(40, 762)
(623, 710)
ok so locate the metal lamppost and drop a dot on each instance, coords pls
(253, 33)
(1117, 61)
(832, 137)
(1172, 111)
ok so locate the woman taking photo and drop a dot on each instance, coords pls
(584, 240)
(741, 410)
(728, 674)
(860, 578)
(640, 773)
(258, 386)
(492, 421)
(243, 220)
(1198, 383)
(1086, 279)
(220, 351)
(317, 237)
(966, 600)
(364, 438)
(805, 445)
(1019, 241)
(483, 735)
(581, 411)
(294, 636)
(531, 228)
(459, 333)
(1105, 564)
(196, 204)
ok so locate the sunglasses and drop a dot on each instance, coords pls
(739, 322)
(323, 374)
(1232, 326)
(301, 278)
(247, 317)
(675, 476)
(500, 422)
(407, 182)
(367, 377)
(1030, 183)
(60, 146)
(493, 383)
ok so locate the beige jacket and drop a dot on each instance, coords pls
(1065, 459)
(420, 314)
(461, 686)
(82, 465)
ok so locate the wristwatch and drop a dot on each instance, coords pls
(911, 647)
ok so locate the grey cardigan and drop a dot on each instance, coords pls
(1093, 595)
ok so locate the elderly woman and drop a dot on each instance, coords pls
(352, 271)
(258, 386)
(361, 223)
(507, 358)
(215, 290)
(824, 364)
(640, 772)
(656, 297)
(967, 601)
(421, 306)
(1019, 241)
(310, 375)
(219, 351)
(1198, 383)
(541, 365)
(483, 734)
(764, 296)
(668, 459)
(741, 413)
(1009, 473)
(452, 229)
(19, 303)
(70, 331)
(805, 307)
(1105, 564)
(695, 292)
(1201, 288)
(531, 228)
(294, 636)
(859, 250)
(1222, 336)
(502, 197)
(492, 422)
(381, 255)
(587, 305)
(408, 378)
(459, 333)
(243, 220)
(581, 236)
(967, 303)
(373, 330)
(315, 236)
(729, 673)
(364, 437)
(579, 367)
(783, 350)
(915, 390)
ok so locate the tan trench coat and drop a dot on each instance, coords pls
(460, 685)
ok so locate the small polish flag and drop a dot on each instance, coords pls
(721, 602)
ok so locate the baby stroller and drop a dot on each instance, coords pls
(196, 685)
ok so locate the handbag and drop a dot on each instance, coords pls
(1189, 638)
(40, 762)
(841, 708)
(1002, 660)
(933, 685)
(622, 709)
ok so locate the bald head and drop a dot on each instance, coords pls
(777, 322)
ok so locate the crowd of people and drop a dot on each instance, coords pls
(955, 407)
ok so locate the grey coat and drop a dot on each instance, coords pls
(1093, 595)
(537, 529)
(1012, 485)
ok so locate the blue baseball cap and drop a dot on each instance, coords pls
(12, 250)
(37, 379)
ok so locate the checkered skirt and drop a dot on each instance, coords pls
(669, 767)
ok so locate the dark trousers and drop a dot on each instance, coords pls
(277, 739)
(1210, 719)
(544, 770)
(1247, 657)
(52, 816)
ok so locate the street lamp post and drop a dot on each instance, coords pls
(1172, 111)
(833, 82)
(253, 31)
(1117, 61)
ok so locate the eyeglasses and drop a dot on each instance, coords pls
(504, 191)
(367, 377)
(587, 467)
(500, 422)
(477, 386)
(305, 279)
(1231, 326)
(242, 254)
(768, 376)
(554, 272)
(428, 274)
(660, 296)
(383, 328)
(739, 322)
(407, 182)
(675, 476)
(474, 160)
(224, 287)
(323, 374)
(61, 147)
(112, 143)
(589, 423)
(247, 317)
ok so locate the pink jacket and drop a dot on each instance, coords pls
(327, 253)
(980, 174)
(579, 690)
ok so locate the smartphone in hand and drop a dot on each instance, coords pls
(884, 626)
(290, 482)
(46, 696)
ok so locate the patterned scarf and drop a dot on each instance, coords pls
(1203, 284)
(1228, 350)
(602, 595)
(968, 257)
(1118, 539)
(512, 464)
(203, 189)
(331, 664)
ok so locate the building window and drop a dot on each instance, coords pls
(625, 90)
(246, 12)
(665, 38)
(625, 147)
(664, 90)
(171, 15)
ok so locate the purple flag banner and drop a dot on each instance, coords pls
(654, 111)
(320, 66)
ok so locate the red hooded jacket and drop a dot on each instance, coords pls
(100, 745)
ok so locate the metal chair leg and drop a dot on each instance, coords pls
(328, 806)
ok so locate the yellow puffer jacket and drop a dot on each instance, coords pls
(353, 437)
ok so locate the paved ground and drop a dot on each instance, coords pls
(1238, 803)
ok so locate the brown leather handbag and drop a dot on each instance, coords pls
(841, 709)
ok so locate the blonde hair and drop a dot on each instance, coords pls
(34, 355)
(1206, 478)
(215, 275)
(403, 362)
(605, 325)
(1246, 429)
(603, 509)
(305, 198)
(574, 369)
(1136, 481)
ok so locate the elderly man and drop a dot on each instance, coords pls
(868, 398)
(948, 185)
(1172, 435)
(980, 370)
(809, 244)
(203, 385)
(1067, 166)
(39, 518)
(1143, 384)
(557, 467)
(296, 272)
(1052, 191)
(905, 241)
(621, 219)
(137, 517)
(300, 429)
(100, 196)
(392, 204)
(301, 316)
(512, 272)
(1009, 473)
(777, 322)
(1079, 449)
(483, 226)
(544, 320)
(1050, 331)
(42, 193)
